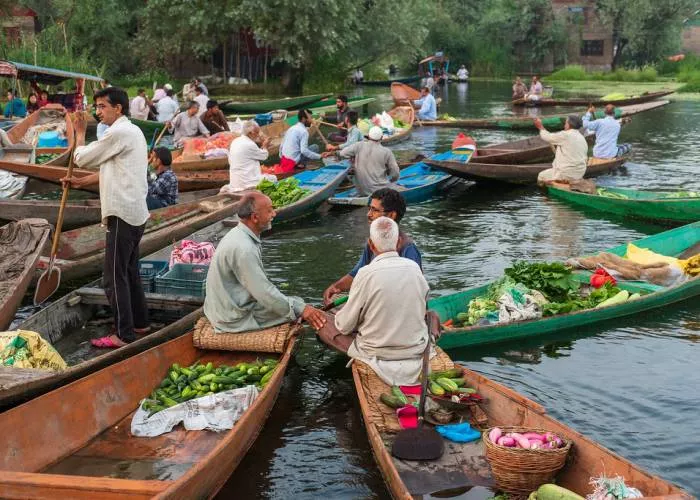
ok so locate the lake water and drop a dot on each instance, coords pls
(631, 384)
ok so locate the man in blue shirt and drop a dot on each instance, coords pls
(15, 106)
(606, 131)
(295, 147)
(162, 191)
(385, 202)
(428, 106)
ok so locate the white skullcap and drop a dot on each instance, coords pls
(375, 133)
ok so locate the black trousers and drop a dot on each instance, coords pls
(122, 282)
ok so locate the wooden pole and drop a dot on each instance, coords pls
(267, 51)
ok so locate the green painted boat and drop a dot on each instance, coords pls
(671, 243)
(148, 127)
(328, 106)
(657, 206)
(287, 103)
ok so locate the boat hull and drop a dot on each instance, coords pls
(648, 97)
(288, 103)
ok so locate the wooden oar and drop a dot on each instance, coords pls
(323, 137)
(330, 124)
(160, 136)
(415, 116)
(50, 280)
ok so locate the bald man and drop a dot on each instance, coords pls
(606, 130)
(240, 297)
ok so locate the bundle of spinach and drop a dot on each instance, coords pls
(283, 192)
(553, 279)
(579, 303)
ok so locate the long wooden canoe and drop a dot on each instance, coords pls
(657, 206)
(529, 150)
(80, 450)
(671, 243)
(81, 251)
(400, 93)
(78, 213)
(288, 103)
(551, 122)
(390, 83)
(512, 174)
(21, 245)
(640, 99)
(407, 115)
(463, 469)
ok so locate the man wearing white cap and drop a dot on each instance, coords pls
(375, 165)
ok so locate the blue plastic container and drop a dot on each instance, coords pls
(148, 270)
(264, 119)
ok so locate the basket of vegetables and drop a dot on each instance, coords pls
(522, 459)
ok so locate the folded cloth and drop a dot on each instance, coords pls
(459, 433)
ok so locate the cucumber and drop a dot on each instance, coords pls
(264, 369)
(398, 394)
(254, 371)
(173, 375)
(213, 387)
(554, 492)
(459, 381)
(447, 384)
(266, 377)
(391, 401)
(220, 379)
(436, 389)
(207, 378)
(466, 390)
(451, 373)
(270, 362)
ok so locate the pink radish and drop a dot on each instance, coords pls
(506, 441)
(521, 440)
(495, 434)
(536, 444)
(534, 435)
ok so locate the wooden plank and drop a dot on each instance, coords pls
(22, 485)
(161, 302)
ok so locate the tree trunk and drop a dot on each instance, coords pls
(223, 59)
(238, 54)
(267, 51)
(292, 79)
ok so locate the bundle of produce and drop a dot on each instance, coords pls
(525, 440)
(46, 157)
(184, 383)
(611, 194)
(683, 194)
(553, 492)
(284, 192)
(199, 146)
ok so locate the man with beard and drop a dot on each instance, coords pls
(240, 297)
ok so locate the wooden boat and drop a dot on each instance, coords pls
(13, 186)
(21, 246)
(529, 150)
(81, 450)
(288, 103)
(77, 213)
(40, 116)
(512, 174)
(419, 183)
(81, 251)
(551, 122)
(389, 83)
(640, 99)
(400, 93)
(655, 206)
(463, 470)
(670, 243)
(275, 131)
(328, 106)
(150, 128)
(407, 115)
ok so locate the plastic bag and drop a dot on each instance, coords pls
(26, 349)
(192, 252)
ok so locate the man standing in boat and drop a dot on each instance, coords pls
(295, 148)
(571, 151)
(379, 325)
(384, 202)
(187, 124)
(122, 157)
(240, 297)
(606, 130)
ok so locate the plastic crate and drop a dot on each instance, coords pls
(184, 279)
(148, 270)
(263, 119)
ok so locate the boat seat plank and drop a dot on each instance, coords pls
(162, 302)
(10, 376)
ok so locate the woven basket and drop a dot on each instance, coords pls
(519, 471)
(268, 340)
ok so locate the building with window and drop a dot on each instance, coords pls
(590, 40)
(17, 24)
(691, 34)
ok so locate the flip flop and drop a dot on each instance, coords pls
(104, 343)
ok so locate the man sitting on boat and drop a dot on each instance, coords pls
(519, 89)
(244, 157)
(187, 124)
(383, 323)
(162, 189)
(15, 106)
(535, 93)
(342, 109)
(240, 297)
(462, 73)
(295, 148)
(214, 119)
(606, 130)
(354, 134)
(167, 107)
(428, 106)
(384, 202)
(571, 155)
(375, 166)
(138, 108)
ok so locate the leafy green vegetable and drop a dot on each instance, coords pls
(284, 192)
(579, 303)
(555, 280)
(611, 194)
(45, 158)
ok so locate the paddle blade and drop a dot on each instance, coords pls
(47, 285)
(421, 443)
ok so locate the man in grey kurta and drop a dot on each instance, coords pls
(240, 297)
(375, 165)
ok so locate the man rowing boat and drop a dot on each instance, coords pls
(353, 136)
(187, 124)
(382, 203)
(342, 109)
(240, 297)
(428, 105)
(383, 323)
(571, 155)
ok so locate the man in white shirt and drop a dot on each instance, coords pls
(201, 99)
(122, 158)
(535, 93)
(244, 157)
(139, 106)
(571, 152)
(187, 124)
(358, 76)
(167, 107)
(383, 323)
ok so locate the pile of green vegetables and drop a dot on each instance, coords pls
(554, 280)
(184, 383)
(45, 158)
(674, 195)
(284, 192)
